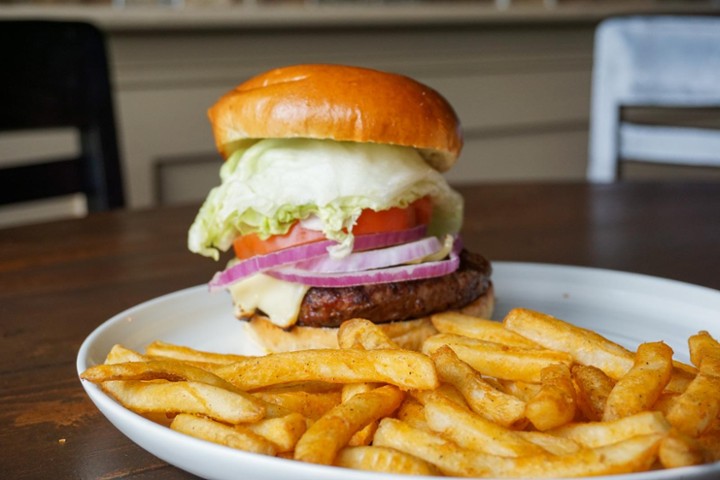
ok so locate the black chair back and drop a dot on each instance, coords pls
(55, 74)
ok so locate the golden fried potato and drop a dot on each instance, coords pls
(641, 386)
(497, 360)
(403, 368)
(216, 432)
(554, 405)
(331, 432)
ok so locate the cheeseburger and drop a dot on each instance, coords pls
(333, 203)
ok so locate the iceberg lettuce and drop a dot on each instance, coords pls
(269, 185)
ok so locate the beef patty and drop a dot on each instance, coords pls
(391, 302)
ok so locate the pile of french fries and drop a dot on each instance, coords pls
(532, 396)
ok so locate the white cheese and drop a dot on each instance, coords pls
(277, 299)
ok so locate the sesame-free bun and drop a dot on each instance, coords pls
(339, 103)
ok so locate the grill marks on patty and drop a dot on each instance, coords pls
(391, 302)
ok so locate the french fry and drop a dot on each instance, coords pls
(312, 405)
(216, 432)
(554, 405)
(363, 436)
(383, 459)
(186, 397)
(283, 432)
(636, 454)
(412, 412)
(598, 434)
(522, 390)
(496, 360)
(632, 455)
(679, 450)
(642, 385)
(705, 352)
(121, 354)
(447, 456)
(472, 431)
(550, 443)
(457, 323)
(403, 368)
(361, 333)
(586, 346)
(190, 355)
(154, 370)
(593, 387)
(709, 441)
(693, 411)
(333, 431)
(495, 405)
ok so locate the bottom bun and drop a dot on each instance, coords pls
(408, 334)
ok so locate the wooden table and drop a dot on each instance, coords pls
(58, 281)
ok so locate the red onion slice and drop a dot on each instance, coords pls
(372, 259)
(385, 275)
(245, 268)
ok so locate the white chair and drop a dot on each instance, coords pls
(653, 61)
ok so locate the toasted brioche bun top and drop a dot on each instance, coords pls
(339, 103)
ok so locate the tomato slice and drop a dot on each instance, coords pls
(369, 221)
(250, 245)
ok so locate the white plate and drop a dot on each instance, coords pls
(628, 308)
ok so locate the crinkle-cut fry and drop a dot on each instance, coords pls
(188, 354)
(283, 432)
(641, 386)
(482, 398)
(496, 360)
(693, 411)
(598, 434)
(333, 431)
(680, 450)
(383, 459)
(216, 432)
(154, 370)
(186, 397)
(457, 323)
(593, 386)
(403, 368)
(121, 354)
(362, 333)
(473, 431)
(586, 346)
(628, 456)
(554, 405)
(312, 405)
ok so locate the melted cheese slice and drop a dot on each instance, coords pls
(277, 299)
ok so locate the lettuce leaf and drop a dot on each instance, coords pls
(272, 183)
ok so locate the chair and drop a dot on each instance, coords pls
(653, 61)
(55, 74)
